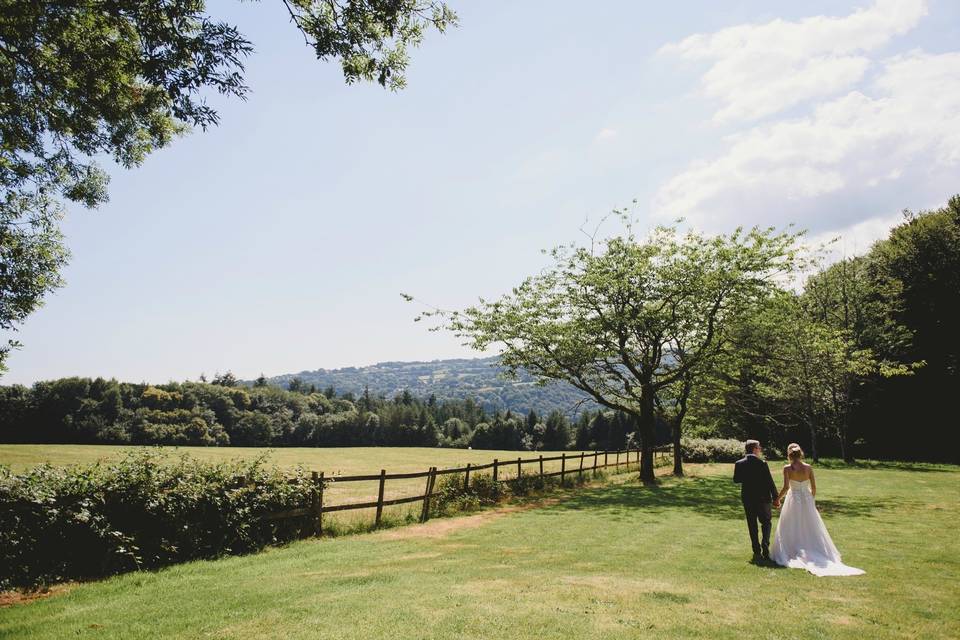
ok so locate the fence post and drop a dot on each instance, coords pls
(605, 454)
(595, 454)
(316, 500)
(580, 472)
(519, 471)
(426, 495)
(466, 479)
(383, 479)
(541, 465)
(495, 469)
(563, 468)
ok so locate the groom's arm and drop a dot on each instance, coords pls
(737, 476)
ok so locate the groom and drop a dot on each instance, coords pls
(757, 492)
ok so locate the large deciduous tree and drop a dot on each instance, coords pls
(121, 78)
(625, 319)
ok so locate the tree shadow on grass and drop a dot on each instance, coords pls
(712, 496)
(887, 465)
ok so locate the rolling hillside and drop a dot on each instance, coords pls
(477, 378)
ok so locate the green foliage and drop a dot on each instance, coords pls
(31, 256)
(866, 350)
(453, 496)
(922, 258)
(370, 37)
(627, 320)
(84, 410)
(142, 512)
(713, 450)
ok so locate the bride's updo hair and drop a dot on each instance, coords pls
(794, 452)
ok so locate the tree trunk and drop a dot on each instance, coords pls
(646, 434)
(677, 454)
(677, 425)
(846, 448)
(813, 442)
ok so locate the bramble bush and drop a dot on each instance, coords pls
(141, 512)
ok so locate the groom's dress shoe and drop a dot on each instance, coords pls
(766, 554)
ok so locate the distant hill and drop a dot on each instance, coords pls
(477, 378)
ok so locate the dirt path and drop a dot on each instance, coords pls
(443, 526)
(446, 525)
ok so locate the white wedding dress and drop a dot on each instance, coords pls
(802, 541)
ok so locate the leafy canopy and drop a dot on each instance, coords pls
(625, 318)
(613, 320)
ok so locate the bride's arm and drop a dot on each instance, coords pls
(813, 483)
(786, 484)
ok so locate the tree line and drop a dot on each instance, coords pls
(223, 412)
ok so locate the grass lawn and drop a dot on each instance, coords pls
(616, 561)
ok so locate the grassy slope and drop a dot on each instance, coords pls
(616, 561)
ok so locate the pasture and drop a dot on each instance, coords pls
(612, 560)
(333, 461)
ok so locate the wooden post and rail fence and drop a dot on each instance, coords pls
(317, 508)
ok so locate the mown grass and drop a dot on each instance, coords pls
(620, 560)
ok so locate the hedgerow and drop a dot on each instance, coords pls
(141, 512)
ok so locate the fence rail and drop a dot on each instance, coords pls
(615, 459)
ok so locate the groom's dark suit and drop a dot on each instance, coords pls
(757, 491)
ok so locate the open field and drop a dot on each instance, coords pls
(619, 560)
(333, 461)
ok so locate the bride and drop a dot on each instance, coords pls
(801, 540)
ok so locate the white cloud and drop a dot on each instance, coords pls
(852, 156)
(856, 238)
(760, 69)
(605, 134)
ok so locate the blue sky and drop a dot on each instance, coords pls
(281, 240)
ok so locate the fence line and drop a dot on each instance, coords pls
(318, 481)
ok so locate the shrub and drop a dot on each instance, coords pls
(142, 512)
(711, 449)
(483, 491)
(452, 496)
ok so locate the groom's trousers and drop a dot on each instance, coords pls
(758, 510)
